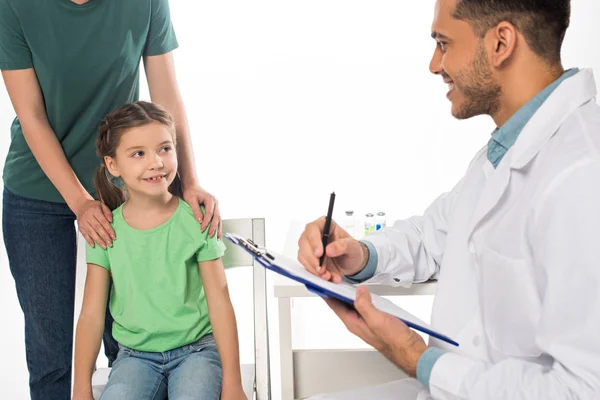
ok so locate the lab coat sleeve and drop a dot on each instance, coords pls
(563, 239)
(411, 250)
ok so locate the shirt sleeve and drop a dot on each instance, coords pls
(14, 50)
(211, 249)
(97, 255)
(161, 36)
(426, 363)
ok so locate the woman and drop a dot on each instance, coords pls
(66, 64)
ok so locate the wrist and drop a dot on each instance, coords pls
(188, 179)
(413, 354)
(232, 379)
(82, 389)
(365, 257)
(75, 200)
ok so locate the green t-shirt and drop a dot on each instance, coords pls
(158, 300)
(87, 60)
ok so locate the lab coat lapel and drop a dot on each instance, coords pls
(496, 183)
(568, 97)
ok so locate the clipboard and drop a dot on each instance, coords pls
(343, 291)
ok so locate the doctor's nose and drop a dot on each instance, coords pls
(435, 65)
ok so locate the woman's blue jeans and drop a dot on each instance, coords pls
(41, 244)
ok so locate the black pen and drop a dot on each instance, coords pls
(327, 226)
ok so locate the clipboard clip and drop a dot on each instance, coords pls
(250, 246)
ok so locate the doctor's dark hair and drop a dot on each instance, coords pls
(111, 130)
(543, 23)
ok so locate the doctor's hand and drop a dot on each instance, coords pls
(387, 334)
(344, 254)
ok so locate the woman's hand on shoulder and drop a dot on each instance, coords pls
(93, 220)
(194, 196)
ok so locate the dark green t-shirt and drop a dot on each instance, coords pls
(87, 60)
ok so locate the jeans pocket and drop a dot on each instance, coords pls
(124, 352)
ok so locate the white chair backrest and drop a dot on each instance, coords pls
(235, 256)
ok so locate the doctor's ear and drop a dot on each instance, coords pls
(504, 37)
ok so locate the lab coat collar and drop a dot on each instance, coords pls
(571, 94)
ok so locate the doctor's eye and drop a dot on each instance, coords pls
(442, 46)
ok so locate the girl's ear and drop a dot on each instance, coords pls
(111, 165)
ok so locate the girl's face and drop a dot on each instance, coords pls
(145, 160)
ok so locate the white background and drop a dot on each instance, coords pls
(291, 100)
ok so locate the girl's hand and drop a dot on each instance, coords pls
(82, 396)
(231, 392)
(93, 220)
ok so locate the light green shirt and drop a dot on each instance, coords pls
(87, 60)
(158, 300)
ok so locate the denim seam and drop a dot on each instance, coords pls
(156, 388)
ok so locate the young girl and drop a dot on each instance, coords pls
(169, 290)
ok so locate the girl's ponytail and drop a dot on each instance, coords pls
(176, 187)
(108, 193)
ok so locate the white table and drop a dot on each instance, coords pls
(301, 370)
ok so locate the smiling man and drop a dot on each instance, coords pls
(513, 245)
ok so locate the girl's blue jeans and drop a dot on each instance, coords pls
(191, 372)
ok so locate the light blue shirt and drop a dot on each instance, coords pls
(502, 140)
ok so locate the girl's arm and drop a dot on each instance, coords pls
(27, 100)
(223, 323)
(89, 329)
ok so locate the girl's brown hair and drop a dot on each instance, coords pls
(111, 130)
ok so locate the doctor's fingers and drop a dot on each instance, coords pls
(329, 272)
(341, 247)
(375, 319)
(306, 254)
(312, 237)
(352, 321)
(309, 262)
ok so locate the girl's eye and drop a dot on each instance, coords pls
(138, 154)
(165, 149)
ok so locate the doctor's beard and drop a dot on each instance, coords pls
(480, 92)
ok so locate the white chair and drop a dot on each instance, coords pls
(256, 376)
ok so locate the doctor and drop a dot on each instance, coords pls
(514, 244)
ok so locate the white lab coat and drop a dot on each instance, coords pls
(516, 254)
